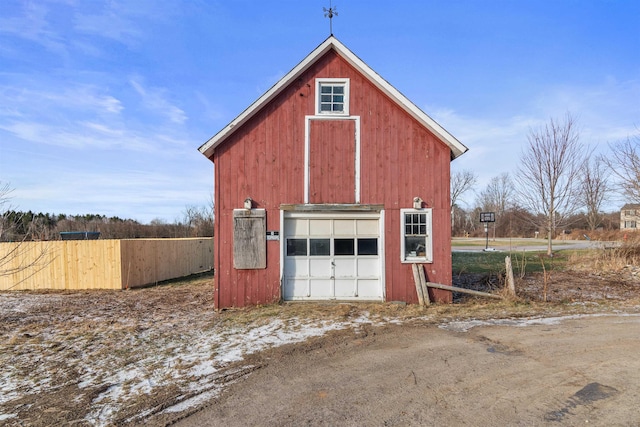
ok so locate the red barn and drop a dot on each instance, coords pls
(328, 187)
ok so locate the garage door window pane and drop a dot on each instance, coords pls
(367, 246)
(296, 247)
(319, 247)
(343, 247)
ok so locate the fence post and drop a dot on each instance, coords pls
(511, 287)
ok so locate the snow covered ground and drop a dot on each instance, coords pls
(114, 363)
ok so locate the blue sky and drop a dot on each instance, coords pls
(103, 104)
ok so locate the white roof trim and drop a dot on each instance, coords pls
(457, 148)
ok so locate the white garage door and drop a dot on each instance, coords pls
(327, 256)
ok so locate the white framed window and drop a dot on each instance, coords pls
(416, 240)
(629, 224)
(332, 97)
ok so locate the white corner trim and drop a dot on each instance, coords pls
(381, 252)
(282, 249)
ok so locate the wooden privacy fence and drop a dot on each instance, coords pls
(101, 264)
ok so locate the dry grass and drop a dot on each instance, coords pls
(601, 235)
(609, 259)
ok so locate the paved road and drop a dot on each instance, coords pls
(519, 245)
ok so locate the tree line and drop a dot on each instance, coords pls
(16, 226)
(559, 183)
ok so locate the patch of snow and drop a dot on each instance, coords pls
(194, 401)
(14, 388)
(123, 385)
(7, 416)
(276, 333)
(14, 302)
(466, 325)
(366, 318)
(8, 388)
(204, 355)
(203, 369)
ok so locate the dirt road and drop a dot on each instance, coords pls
(557, 371)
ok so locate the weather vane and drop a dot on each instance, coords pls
(330, 13)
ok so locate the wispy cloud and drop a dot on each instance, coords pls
(28, 96)
(606, 112)
(74, 116)
(127, 22)
(64, 27)
(82, 116)
(155, 100)
(79, 135)
(488, 139)
(114, 21)
(116, 192)
(32, 24)
(209, 111)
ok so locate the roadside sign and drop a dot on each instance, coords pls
(487, 217)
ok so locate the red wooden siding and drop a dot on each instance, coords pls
(264, 160)
(332, 161)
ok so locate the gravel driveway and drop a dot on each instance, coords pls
(570, 371)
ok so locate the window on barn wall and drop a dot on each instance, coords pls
(416, 242)
(332, 96)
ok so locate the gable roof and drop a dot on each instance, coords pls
(630, 206)
(332, 43)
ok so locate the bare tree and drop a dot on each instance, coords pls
(548, 175)
(17, 256)
(199, 220)
(497, 197)
(464, 223)
(5, 191)
(624, 163)
(594, 189)
(461, 182)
